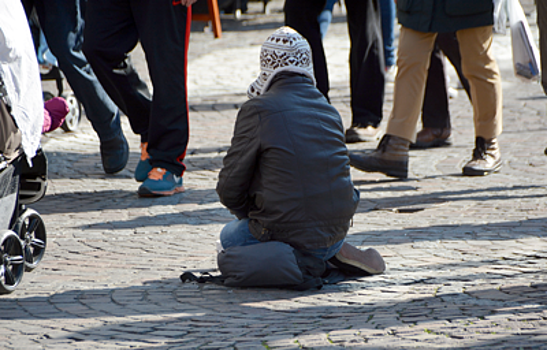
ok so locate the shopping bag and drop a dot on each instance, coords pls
(525, 53)
(500, 16)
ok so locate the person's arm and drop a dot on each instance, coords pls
(239, 164)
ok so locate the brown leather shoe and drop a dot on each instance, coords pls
(486, 158)
(390, 158)
(432, 137)
(353, 260)
(358, 133)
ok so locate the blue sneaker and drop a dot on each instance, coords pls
(160, 182)
(144, 166)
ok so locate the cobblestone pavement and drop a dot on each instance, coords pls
(466, 256)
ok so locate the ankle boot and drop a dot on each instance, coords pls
(486, 158)
(432, 137)
(390, 158)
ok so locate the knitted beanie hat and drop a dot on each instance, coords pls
(284, 50)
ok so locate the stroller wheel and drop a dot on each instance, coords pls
(74, 114)
(32, 232)
(12, 261)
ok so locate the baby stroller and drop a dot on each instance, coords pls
(49, 70)
(22, 230)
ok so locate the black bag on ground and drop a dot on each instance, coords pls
(269, 264)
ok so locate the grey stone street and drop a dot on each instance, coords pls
(466, 256)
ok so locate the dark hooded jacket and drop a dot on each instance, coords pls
(444, 16)
(287, 169)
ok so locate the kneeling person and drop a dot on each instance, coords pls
(286, 175)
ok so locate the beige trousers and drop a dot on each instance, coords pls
(478, 66)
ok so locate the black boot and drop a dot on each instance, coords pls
(390, 158)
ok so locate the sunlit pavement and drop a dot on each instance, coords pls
(466, 256)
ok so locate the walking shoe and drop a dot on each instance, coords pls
(358, 133)
(114, 154)
(432, 137)
(160, 182)
(355, 261)
(390, 158)
(143, 166)
(486, 158)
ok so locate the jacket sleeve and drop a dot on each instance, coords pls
(236, 176)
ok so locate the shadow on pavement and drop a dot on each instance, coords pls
(422, 201)
(72, 165)
(77, 202)
(187, 312)
(80, 202)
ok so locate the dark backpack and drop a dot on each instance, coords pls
(269, 264)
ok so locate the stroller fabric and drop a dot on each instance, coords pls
(20, 73)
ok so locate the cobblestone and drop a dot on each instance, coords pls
(466, 256)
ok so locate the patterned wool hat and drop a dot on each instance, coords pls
(285, 50)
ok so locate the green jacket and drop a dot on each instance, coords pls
(443, 16)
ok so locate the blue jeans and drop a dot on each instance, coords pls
(388, 11)
(325, 17)
(62, 22)
(237, 233)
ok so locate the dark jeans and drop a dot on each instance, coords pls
(113, 29)
(388, 12)
(435, 112)
(62, 22)
(366, 54)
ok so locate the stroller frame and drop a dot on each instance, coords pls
(22, 230)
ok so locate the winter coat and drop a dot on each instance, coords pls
(443, 16)
(287, 169)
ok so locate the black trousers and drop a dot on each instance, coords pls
(366, 60)
(435, 111)
(113, 29)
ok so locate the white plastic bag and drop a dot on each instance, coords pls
(500, 16)
(525, 52)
